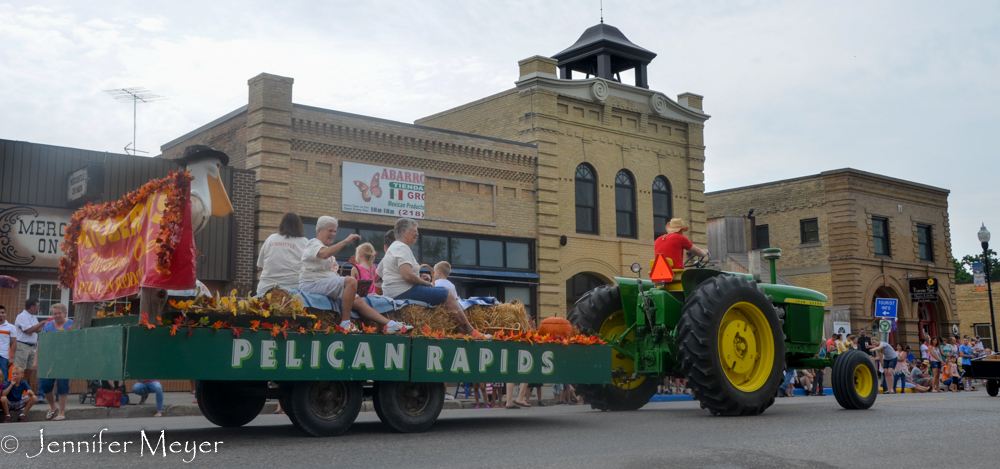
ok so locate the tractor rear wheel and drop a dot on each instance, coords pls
(600, 311)
(731, 346)
(855, 381)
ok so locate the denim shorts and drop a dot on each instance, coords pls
(431, 295)
(45, 385)
(935, 364)
(890, 364)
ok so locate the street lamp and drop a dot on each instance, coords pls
(984, 238)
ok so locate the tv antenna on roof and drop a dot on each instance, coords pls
(135, 96)
(602, 11)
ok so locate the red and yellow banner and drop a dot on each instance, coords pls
(145, 240)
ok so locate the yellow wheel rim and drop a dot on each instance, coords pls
(863, 383)
(615, 325)
(746, 346)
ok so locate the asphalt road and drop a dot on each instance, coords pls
(803, 432)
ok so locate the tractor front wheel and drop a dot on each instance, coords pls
(855, 381)
(731, 346)
(600, 311)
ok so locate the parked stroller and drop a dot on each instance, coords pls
(90, 392)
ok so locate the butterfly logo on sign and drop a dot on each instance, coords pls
(367, 191)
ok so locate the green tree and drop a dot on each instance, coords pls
(961, 275)
(994, 264)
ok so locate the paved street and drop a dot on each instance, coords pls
(807, 432)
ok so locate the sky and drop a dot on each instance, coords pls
(908, 89)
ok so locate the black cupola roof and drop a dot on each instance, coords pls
(603, 51)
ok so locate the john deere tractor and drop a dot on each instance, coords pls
(729, 336)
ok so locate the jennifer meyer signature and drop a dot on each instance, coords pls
(152, 445)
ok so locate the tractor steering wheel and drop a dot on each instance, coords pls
(697, 262)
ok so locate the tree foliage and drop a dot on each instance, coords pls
(966, 266)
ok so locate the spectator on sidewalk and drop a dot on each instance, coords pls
(909, 354)
(27, 337)
(59, 322)
(934, 355)
(8, 337)
(919, 375)
(951, 375)
(520, 401)
(889, 361)
(966, 353)
(16, 396)
(901, 372)
(145, 386)
(806, 381)
(923, 349)
(864, 342)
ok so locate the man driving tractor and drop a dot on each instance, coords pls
(673, 244)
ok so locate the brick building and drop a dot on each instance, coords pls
(855, 236)
(974, 312)
(629, 158)
(479, 192)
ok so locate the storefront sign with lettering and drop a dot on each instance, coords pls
(30, 235)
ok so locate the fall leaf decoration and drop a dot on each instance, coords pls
(532, 337)
(113, 309)
(176, 185)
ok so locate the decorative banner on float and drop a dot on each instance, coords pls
(379, 190)
(142, 241)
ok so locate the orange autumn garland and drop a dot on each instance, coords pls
(176, 185)
(532, 337)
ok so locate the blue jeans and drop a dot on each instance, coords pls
(143, 389)
(3, 367)
(431, 295)
(901, 379)
(789, 376)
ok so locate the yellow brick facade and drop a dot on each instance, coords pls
(610, 126)
(974, 310)
(843, 264)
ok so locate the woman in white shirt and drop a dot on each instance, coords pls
(280, 258)
(319, 276)
(401, 279)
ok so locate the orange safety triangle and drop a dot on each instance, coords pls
(661, 270)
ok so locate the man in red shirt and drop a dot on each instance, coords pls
(673, 244)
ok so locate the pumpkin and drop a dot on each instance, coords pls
(556, 326)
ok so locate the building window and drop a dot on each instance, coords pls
(625, 204)
(925, 243)
(809, 229)
(880, 236)
(662, 209)
(586, 200)
(985, 334)
(47, 293)
(763, 237)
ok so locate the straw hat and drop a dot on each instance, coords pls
(676, 225)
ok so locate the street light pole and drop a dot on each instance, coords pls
(984, 238)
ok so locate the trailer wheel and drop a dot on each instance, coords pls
(286, 406)
(600, 311)
(992, 387)
(325, 408)
(731, 346)
(408, 407)
(855, 381)
(222, 403)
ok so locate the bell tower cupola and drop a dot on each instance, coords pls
(603, 51)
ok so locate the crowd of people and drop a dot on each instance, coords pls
(939, 365)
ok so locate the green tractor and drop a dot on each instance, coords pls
(730, 337)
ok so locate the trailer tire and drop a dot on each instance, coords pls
(855, 381)
(729, 316)
(408, 407)
(600, 311)
(222, 403)
(325, 408)
(992, 387)
(286, 406)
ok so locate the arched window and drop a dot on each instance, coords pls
(663, 210)
(625, 204)
(586, 200)
(579, 284)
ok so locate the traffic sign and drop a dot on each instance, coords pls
(886, 307)
(884, 325)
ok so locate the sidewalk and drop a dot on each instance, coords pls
(181, 404)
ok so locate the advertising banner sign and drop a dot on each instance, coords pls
(380, 190)
(117, 256)
(30, 236)
(978, 277)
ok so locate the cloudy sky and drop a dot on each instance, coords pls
(909, 89)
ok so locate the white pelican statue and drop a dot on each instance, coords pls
(208, 195)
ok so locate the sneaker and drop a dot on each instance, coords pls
(399, 326)
(352, 328)
(6, 418)
(447, 397)
(22, 418)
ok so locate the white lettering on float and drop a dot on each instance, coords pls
(547, 366)
(394, 356)
(241, 351)
(524, 362)
(267, 361)
(434, 355)
(503, 361)
(461, 361)
(363, 357)
(331, 355)
(485, 359)
(314, 356)
(291, 361)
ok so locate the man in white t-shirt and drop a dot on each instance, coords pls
(923, 349)
(319, 276)
(8, 334)
(27, 326)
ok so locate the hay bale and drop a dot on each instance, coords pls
(488, 319)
